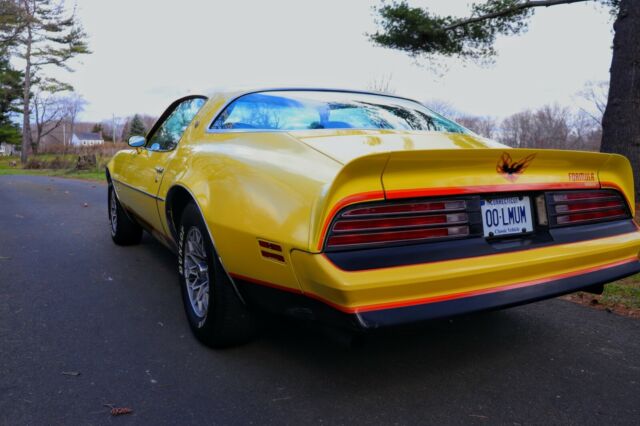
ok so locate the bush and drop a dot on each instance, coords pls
(34, 163)
(72, 157)
(59, 162)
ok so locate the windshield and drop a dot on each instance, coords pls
(303, 110)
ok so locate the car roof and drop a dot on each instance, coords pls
(233, 93)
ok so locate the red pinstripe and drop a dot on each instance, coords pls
(435, 299)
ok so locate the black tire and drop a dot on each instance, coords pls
(124, 231)
(225, 320)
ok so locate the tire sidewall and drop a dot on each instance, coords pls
(110, 196)
(190, 219)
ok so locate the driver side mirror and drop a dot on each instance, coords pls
(137, 141)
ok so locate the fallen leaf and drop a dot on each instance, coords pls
(70, 373)
(5, 258)
(118, 411)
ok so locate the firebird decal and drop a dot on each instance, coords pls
(510, 169)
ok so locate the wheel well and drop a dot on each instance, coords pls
(177, 200)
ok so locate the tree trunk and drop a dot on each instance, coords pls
(621, 121)
(73, 126)
(26, 98)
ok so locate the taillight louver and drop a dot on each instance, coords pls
(394, 223)
(581, 207)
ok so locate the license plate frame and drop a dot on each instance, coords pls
(506, 216)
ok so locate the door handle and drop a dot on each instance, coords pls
(159, 169)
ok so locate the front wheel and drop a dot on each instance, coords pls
(124, 231)
(216, 315)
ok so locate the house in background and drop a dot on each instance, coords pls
(86, 139)
(7, 149)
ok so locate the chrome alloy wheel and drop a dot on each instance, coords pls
(113, 212)
(196, 272)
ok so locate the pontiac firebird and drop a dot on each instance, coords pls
(362, 210)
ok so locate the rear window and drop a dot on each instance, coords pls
(303, 110)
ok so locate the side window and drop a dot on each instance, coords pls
(167, 136)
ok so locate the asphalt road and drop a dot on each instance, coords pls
(73, 302)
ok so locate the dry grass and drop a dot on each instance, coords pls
(83, 162)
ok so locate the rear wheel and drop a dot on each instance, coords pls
(216, 315)
(124, 231)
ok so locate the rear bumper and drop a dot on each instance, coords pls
(405, 294)
(528, 292)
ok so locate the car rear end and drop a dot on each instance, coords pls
(408, 236)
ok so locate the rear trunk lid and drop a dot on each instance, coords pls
(450, 172)
(416, 173)
(347, 145)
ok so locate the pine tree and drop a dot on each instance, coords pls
(41, 33)
(136, 127)
(10, 94)
(419, 32)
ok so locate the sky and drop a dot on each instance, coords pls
(147, 53)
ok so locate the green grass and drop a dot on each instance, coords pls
(625, 292)
(6, 169)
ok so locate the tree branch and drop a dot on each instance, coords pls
(529, 4)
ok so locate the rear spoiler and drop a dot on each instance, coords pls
(428, 173)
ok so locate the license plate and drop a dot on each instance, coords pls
(506, 216)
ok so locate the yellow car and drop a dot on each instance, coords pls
(363, 210)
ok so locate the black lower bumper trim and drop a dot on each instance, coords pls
(302, 307)
(502, 299)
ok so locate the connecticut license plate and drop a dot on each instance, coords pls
(506, 216)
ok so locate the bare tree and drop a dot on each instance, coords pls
(551, 126)
(442, 107)
(74, 105)
(382, 84)
(49, 112)
(595, 93)
(114, 128)
(148, 120)
(517, 130)
(484, 126)
(586, 134)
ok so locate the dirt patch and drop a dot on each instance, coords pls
(620, 297)
(595, 302)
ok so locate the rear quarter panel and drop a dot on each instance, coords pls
(252, 186)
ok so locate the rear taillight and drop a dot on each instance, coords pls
(392, 223)
(580, 207)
